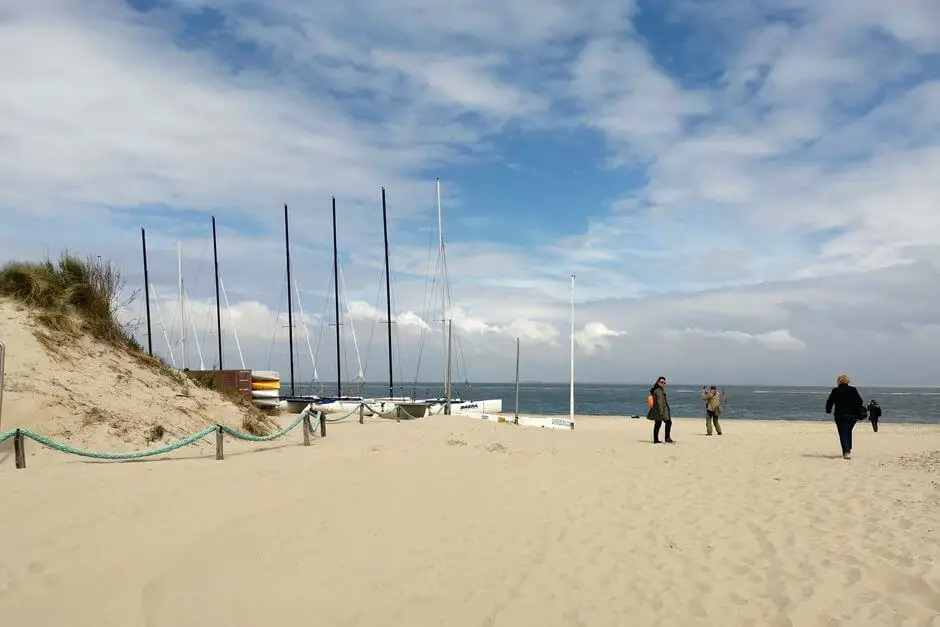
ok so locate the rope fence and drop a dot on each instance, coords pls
(311, 420)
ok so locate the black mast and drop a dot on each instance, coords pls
(388, 299)
(218, 303)
(290, 312)
(143, 241)
(339, 376)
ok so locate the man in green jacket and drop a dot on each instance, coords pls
(659, 411)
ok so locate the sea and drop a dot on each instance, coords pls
(761, 402)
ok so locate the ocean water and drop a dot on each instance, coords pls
(755, 402)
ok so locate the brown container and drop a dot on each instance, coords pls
(237, 380)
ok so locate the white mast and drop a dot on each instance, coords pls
(179, 258)
(571, 385)
(440, 252)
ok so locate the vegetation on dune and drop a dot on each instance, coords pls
(74, 295)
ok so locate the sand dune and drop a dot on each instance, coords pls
(452, 521)
(93, 395)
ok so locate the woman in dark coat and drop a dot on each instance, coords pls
(659, 412)
(845, 404)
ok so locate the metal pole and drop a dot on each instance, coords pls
(450, 327)
(290, 311)
(388, 299)
(571, 385)
(218, 301)
(339, 370)
(516, 413)
(143, 241)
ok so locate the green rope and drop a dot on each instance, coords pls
(65, 448)
(264, 438)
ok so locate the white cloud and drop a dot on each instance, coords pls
(595, 336)
(778, 339)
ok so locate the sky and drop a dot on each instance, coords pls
(747, 192)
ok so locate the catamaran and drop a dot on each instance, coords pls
(447, 403)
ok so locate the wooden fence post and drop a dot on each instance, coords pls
(19, 449)
(361, 412)
(307, 428)
(219, 452)
(322, 425)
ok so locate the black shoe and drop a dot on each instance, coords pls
(670, 441)
(656, 442)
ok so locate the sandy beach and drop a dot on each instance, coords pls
(453, 521)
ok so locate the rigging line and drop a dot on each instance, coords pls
(277, 321)
(166, 336)
(375, 317)
(192, 323)
(352, 325)
(324, 315)
(396, 332)
(231, 321)
(303, 322)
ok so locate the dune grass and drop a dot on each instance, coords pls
(74, 295)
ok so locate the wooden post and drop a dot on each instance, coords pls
(397, 413)
(219, 453)
(361, 412)
(306, 427)
(19, 450)
(322, 425)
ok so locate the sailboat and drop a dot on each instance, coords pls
(392, 406)
(446, 403)
(545, 422)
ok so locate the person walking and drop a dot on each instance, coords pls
(845, 404)
(874, 413)
(712, 409)
(659, 411)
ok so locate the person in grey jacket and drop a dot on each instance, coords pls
(659, 412)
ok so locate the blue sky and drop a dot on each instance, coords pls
(746, 191)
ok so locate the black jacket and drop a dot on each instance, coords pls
(846, 401)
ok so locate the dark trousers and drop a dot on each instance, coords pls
(844, 426)
(656, 426)
(874, 423)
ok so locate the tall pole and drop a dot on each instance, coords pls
(339, 376)
(388, 299)
(450, 327)
(179, 258)
(218, 302)
(440, 253)
(516, 413)
(143, 241)
(571, 385)
(290, 311)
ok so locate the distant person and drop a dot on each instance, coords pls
(659, 410)
(712, 409)
(874, 413)
(846, 405)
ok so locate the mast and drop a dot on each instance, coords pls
(339, 376)
(571, 385)
(143, 241)
(290, 311)
(516, 413)
(440, 252)
(179, 259)
(218, 302)
(388, 299)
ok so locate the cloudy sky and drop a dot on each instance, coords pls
(747, 191)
